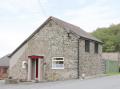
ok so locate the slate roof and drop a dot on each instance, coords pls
(80, 32)
(77, 30)
(4, 61)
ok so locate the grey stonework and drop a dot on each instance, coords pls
(90, 62)
(53, 41)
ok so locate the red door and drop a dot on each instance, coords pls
(36, 68)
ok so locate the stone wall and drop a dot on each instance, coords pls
(53, 41)
(90, 62)
(113, 56)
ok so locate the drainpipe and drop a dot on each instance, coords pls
(78, 63)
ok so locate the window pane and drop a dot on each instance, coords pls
(60, 62)
(96, 47)
(59, 65)
(58, 58)
(87, 45)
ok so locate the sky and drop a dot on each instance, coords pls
(19, 18)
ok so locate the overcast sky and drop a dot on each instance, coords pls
(19, 18)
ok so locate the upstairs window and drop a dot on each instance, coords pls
(57, 63)
(96, 48)
(87, 46)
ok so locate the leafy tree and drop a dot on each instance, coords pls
(110, 37)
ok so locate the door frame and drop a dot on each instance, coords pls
(38, 70)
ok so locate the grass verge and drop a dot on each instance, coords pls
(113, 74)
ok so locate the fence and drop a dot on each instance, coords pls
(111, 66)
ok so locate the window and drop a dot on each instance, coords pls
(96, 48)
(57, 63)
(87, 45)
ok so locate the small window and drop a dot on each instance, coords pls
(96, 48)
(87, 45)
(58, 63)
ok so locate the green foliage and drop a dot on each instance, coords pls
(110, 37)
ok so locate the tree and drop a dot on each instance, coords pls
(110, 37)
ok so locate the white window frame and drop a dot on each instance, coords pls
(53, 60)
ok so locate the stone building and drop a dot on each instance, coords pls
(4, 65)
(57, 50)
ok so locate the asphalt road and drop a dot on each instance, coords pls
(110, 82)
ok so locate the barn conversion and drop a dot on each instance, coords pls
(57, 50)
